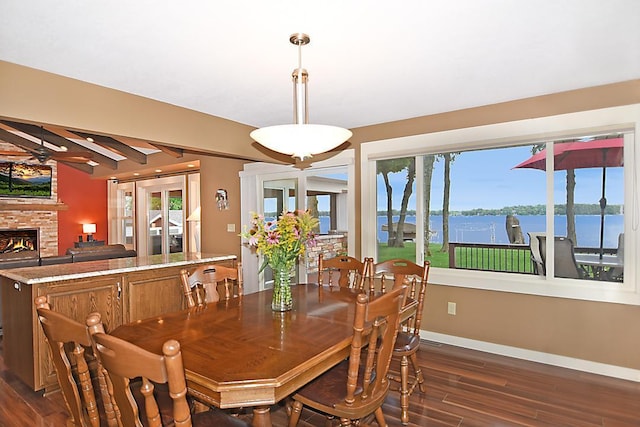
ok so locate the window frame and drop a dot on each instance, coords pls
(623, 119)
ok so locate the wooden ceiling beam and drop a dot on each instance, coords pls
(19, 141)
(173, 152)
(55, 139)
(115, 146)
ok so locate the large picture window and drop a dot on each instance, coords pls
(545, 215)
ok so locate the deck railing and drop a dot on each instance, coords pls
(508, 258)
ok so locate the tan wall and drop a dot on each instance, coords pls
(35, 96)
(218, 173)
(598, 332)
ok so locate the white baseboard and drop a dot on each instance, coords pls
(536, 356)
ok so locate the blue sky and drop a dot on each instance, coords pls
(485, 179)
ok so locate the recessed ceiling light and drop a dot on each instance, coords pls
(112, 177)
(191, 166)
(158, 170)
(89, 139)
(136, 174)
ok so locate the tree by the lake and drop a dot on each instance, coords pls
(448, 159)
(384, 168)
(428, 161)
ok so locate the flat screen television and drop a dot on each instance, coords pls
(25, 180)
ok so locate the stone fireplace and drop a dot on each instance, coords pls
(19, 243)
(36, 214)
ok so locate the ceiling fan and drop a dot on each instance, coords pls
(43, 154)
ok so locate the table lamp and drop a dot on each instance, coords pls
(89, 229)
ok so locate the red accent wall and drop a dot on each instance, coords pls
(87, 201)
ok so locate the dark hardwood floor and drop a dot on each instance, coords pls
(465, 388)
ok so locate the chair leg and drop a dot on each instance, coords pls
(380, 417)
(418, 373)
(404, 390)
(294, 416)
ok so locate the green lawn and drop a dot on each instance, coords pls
(437, 258)
(509, 260)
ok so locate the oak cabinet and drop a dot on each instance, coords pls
(127, 294)
(152, 293)
(76, 299)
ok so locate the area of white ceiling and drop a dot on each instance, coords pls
(369, 61)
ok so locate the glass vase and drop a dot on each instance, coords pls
(282, 300)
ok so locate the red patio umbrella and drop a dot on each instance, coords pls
(582, 155)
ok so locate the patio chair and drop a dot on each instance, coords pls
(536, 257)
(617, 274)
(564, 261)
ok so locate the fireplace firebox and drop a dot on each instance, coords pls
(19, 243)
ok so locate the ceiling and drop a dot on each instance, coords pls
(369, 62)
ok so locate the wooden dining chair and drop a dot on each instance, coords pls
(86, 408)
(346, 271)
(389, 275)
(201, 285)
(358, 386)
(125, 362)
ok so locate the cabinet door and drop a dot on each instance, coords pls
(76, 300)
(153, 293)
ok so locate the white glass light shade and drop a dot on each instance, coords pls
(88, 228)
(301, 140)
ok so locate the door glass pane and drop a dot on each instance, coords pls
(127, 221)
(175, 221)
(327, 197)
(165, 222)
(156, 223)
(278, 196)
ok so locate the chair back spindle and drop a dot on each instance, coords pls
(62, 332)
(201, 285)
(345, 271)
(402, 272)
(375, 328)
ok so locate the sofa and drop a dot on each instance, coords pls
(72, 255)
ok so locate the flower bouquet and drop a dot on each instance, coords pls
(281, 242)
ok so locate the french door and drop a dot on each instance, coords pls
(161, 221)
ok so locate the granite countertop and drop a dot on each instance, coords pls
(79, 270)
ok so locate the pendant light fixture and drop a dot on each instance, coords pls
(300, 139)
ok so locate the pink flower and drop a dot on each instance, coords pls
(273, 238)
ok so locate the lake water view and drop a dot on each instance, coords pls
(492, 228)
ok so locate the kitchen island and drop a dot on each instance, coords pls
(122, 290)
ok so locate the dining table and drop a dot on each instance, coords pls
(239, 353)
(598, 266)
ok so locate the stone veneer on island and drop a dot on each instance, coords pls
(122, 290)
